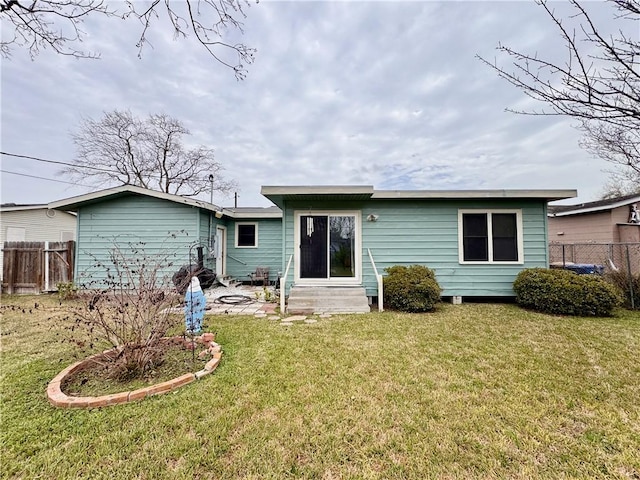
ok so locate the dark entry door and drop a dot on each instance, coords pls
(313, 247)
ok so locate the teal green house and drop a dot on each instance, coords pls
(235, 241)
(318, 238)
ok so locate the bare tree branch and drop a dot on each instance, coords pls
(148, 152)
(38, 24)
(598, 83)
(55, 24)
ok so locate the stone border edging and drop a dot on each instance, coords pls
(58, 398)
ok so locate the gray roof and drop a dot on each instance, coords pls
(74, 203)
(597, 206)
(278, 194)
(253, 212)
(17, 206)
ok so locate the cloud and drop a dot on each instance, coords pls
(382, 93)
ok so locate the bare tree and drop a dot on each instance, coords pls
(120, 149)
(125, 302)
(621, 184)
(56, 24)
(598, 83)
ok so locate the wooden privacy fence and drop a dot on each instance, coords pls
(35, 267)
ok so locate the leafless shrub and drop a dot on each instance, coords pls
(128, 308)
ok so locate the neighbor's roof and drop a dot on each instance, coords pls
(597, 206)
(9, 207)
(13, 207)
(278, 194)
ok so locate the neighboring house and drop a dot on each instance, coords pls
(596, 236)
(475, 241)
(34, 223)
(604, 221)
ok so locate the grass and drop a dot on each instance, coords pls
(470, 391)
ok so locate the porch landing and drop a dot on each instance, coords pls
(309, 300)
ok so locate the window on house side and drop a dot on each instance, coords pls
(246, 235)
(490, 236)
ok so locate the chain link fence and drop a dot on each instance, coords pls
(619, 263)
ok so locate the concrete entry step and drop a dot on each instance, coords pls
(310, 300)
(227, 281)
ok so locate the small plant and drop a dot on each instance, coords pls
(66, 291)
(564, 292)
(411, 289)
(268, 295)
(265, 295)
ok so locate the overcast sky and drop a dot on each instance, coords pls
(387, 94)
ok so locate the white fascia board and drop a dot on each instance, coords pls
(267, 190)
(18, 208)
(548, 195)
(257, 215)
(74, 202)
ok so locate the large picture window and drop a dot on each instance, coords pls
(490, 236)
(246, 235)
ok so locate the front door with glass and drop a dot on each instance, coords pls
(328, 247)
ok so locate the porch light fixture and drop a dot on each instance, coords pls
(218, 214)
(372, 217)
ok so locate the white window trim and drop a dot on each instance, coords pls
(355, 280)
(489, 212)
(255, 245)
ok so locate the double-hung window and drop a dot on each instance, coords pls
(246, 235)
(490, 236)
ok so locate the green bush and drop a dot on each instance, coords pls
(411, 289)
(564, 292)
(625, 282)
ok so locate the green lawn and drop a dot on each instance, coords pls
(470, 391)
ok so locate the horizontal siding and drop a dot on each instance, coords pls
(167, 230)
(584, 228)
(38, 226)
(426, 232)
(242, 261)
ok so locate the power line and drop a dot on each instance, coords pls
(44, 178)
(29, 157)
(112, 174)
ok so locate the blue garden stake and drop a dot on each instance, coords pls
(194, 305)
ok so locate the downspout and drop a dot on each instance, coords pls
(76, 249)
(545, 210)
(284, 242)
(210, 243)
